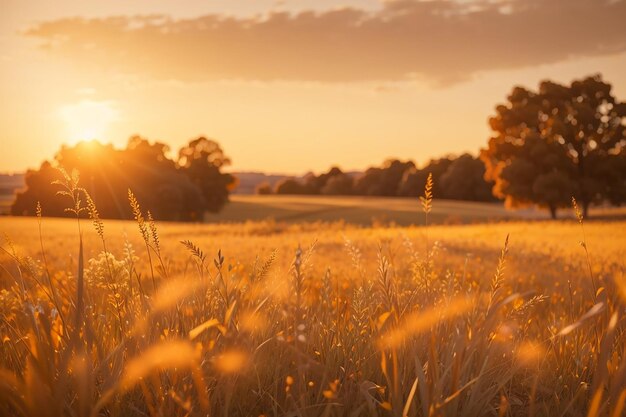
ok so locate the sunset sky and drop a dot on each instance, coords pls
(288, 86)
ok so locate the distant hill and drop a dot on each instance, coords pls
(11, 181)
(249, 180)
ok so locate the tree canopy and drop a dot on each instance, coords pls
(180, 189)
(557, 143)
(459, 178)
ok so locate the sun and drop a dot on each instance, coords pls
(87, 120)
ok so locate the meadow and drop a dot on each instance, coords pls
(359, 210)
(318, 318)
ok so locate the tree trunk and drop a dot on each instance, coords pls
(553, 212)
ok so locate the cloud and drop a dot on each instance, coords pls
(442, 41)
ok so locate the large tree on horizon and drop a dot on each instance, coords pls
(559, 142)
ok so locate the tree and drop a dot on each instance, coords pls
(158, 182)
(392, 174)
(106, 173)
(552, 189)
(464, 180)
(369, 183)
(571, 137)
(314, 184)
(290, 186)
(340, 184)
(201, 160)
(38, 189)
(413, 181)
(383, 181)
(263, 188)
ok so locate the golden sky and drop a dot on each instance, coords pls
(288, 86)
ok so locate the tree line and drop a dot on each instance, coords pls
(182, 189)
(458, 178)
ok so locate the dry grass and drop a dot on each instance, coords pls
(311, 319)
(361, 210)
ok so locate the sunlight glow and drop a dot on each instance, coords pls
(88, 119)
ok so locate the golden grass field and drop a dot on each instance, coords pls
(282, 317)
(360, 210)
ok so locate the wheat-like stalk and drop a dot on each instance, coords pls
(267, 265)
(194, 250)
(583, 243)
(387, 286)
(94, 216)
(153, 233)
(498, 277)
(427, 198)
(579, 214)
(427, 205)
(357, 258)
(143, 229)
(138, 216)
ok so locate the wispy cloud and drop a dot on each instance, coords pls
(441, 41)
